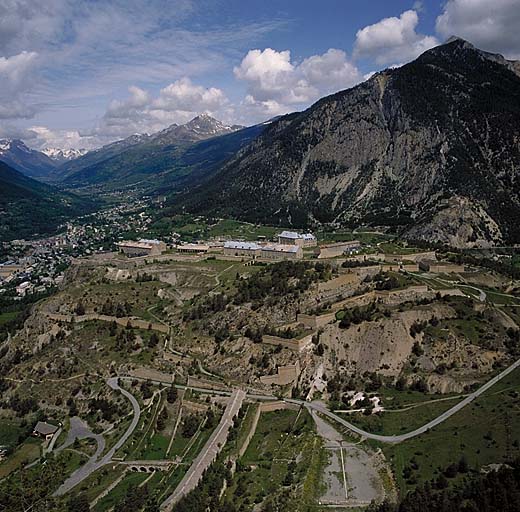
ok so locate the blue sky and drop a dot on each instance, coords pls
(81, 73)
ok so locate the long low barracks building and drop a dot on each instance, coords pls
(265, 252)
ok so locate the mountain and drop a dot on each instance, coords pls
(431, 149)
(199, 128)
(172, 156)
(63, 155)
(30, 162)
(28, 207)
(96, 156)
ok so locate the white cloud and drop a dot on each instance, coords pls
(330, 72)
(185, 95)
(393, 39)
(43, 137)
(276, 85)
(178, 102)
(490, 25)
(16, 74)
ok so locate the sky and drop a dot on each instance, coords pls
(83, 73)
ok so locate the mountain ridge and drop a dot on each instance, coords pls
(170, 155)
(29, 207)
(31, 162)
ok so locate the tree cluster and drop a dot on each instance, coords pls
(497, 491)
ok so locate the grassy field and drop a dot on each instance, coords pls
(245, 426)
(10, 430)
(399, 422)
(486, 431)
(395, 248)
(27, 452)
(192, 228)
(345, 235)
(7, 317)
(156, 448)
(118, 493)
(283, 451)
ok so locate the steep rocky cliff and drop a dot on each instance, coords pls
(431, 148)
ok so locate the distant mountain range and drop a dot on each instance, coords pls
(79, 167)
(172, 156)
(63, 155)
(431, 148)
(28, 207)
(30, 162)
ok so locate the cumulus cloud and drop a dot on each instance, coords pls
(277, 85)
(184, 95)
(492, 26)
(393, 39)
(43, 137)
(178, 102)
(16, 74)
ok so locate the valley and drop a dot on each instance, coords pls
(336, 359)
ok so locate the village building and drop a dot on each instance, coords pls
(142, 247)
(24, 288)
(237, 248)
(44, 430)
(337, 249)
(281, 252)
(294, 238)
(193, 248)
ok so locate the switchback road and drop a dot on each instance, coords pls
(93, 463)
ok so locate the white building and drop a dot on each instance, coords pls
(23, 288)
(265, 251)
(281, 252)
(294, 238)
(236, 248)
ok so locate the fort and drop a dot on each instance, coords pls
(141, 247)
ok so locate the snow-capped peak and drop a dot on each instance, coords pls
(5, 145)
(61, 155)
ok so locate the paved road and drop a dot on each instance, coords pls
(319, 407)
(208, 453)
(80, 430)
(93, 464)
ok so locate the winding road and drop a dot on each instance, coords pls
(316, 406)
(93, 463)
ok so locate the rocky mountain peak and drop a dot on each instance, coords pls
(200, 127)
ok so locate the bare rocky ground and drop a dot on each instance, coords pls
(352, 476)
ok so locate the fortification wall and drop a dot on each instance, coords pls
(315, 322)
(284, 375)
(292, 344)
(123, 321)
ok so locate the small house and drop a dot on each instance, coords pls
(44, 430)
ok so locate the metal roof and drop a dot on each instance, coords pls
(280, 248)
(248, 246)
(294, 235)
